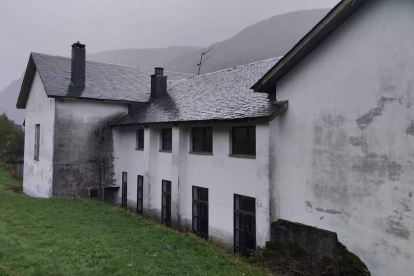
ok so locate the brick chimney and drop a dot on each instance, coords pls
(158, 83)
(77, 78)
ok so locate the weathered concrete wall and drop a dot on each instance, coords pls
(342, 155)
(83, 151)
(38, 175)
(224, 176)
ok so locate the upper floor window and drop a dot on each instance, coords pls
(37, 142)
(166, 139)
(202, 139)
(140, 139)
(244, 140)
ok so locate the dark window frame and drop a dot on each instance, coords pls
(140, 194)
(139, 139)
(124, 192)
(206, 142)
(243, 232)
(166, 142)
(166, 203)
(37, 143)
(250, 144)
(197, 218)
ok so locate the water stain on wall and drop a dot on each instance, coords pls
(410, 129)
(329, 164)
(368, 117)
(375, 168)
(396, 228)
(328, 211)
(309, 206)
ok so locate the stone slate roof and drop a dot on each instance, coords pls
(103, 81)
(222, 95)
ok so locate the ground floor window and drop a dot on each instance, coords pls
(124, 198)
(140, 186)
(244, 224)
(166, 203)
(200, 211)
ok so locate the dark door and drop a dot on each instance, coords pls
(140, 185)
(124, 190)
(244, 225)
(200, 211)
(166, 203)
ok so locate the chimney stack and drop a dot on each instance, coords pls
(158, 83)
(78, 65)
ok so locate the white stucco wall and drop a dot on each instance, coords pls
(223, 175)
(40, 109)
(344, 149)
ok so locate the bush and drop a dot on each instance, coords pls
(11, 140)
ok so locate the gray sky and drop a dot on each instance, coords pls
(51, 26)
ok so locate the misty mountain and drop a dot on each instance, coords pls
(148, 58)
(269, 38)
(8, 100)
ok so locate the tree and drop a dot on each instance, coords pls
(11, 139)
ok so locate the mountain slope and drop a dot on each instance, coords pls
(8, 100)
(269, 38)
(148, 58)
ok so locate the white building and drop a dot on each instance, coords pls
(206, 152)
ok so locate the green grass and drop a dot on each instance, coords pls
(70, 236)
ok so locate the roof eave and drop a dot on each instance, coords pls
(276, 113)
(26, 84)
(339, 14)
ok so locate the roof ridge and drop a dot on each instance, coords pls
(246, 64)
(123, 65)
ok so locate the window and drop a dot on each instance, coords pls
(124, 198)
(166, 203)
(140, 186)
(166, 143)
(140, 139)
(37, 142)
(244, 225)
(200, 211)
(202, 139)
(244, 140)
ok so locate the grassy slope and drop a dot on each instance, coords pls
(68, 236)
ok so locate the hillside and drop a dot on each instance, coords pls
(148, 58)
(8, 99)
(269, 38)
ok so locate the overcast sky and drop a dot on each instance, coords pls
(51, 26)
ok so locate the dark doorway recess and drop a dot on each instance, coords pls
(124, 199)
(166, 203)
(244, 225)
(200, 211)
(140, 194)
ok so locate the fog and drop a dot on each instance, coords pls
(51, 26)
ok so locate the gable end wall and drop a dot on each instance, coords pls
(344, 150)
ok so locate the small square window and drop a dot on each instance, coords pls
(140, 139)
(166, 139)
(244, 140)
(202, 138)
